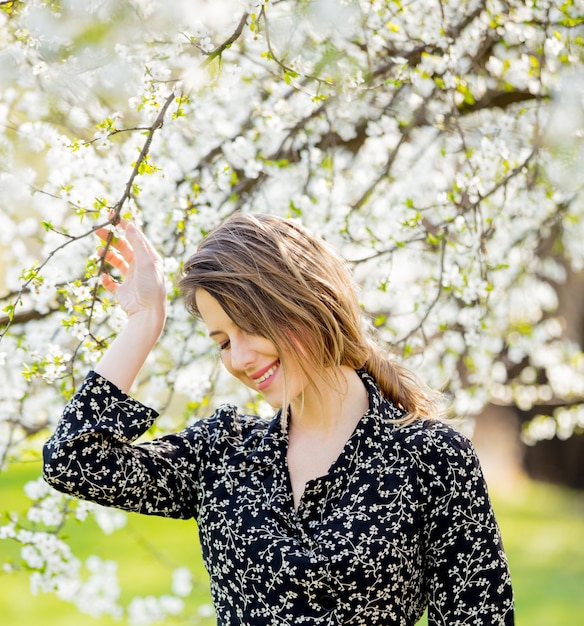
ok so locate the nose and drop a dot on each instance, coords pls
(242, 352)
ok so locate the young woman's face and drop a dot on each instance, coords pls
(252, 359)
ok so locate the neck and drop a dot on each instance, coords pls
(329, 403)
(321, 426)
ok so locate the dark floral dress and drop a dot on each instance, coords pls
(401, 521)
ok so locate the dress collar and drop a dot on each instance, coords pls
(269, 457)
(273, 445)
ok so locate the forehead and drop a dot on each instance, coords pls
(212, 313)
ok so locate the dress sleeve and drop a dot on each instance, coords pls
(91, 455)
(466, 570)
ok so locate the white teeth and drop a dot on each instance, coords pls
(267, 374)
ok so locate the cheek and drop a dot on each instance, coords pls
(294, 375)
(298, 361)
(230, 370)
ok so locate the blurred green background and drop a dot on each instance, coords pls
(542, 527)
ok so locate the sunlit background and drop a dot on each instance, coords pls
(439, 147)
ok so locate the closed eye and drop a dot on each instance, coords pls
(224, 345)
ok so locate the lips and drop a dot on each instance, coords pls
(263, 376)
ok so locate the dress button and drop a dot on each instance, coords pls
(327, 602)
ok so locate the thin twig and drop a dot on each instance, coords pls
(218, 51)
(114, 217)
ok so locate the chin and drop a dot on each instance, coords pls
(275, 404)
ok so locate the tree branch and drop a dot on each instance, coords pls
(25, 317)
(497, 99)
(218, 51)
(12, 317)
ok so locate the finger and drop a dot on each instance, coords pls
(112, 227)
(141, 246)
(106, 233)
(115, 259)
(109, 283)
(119, 243)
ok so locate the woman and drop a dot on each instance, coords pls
(353, 505)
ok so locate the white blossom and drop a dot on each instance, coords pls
(448, 172)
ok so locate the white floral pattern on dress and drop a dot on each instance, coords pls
(402, 520)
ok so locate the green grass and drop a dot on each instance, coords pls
(147, 550)
(542, 527)
(543, 533)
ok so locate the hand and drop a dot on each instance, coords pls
(142, 288)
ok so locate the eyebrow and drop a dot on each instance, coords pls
(215, 332)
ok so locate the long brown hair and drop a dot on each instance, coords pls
(276, 279)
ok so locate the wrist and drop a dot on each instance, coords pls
(149, 320)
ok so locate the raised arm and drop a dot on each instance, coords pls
(142, 295)
(93, 452)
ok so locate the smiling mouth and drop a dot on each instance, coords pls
(267, 374)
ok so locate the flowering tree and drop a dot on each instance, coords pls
(438, 145)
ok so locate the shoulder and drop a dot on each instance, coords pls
(425, 437)
(441, 454)
(420, 439)
(227, 426)
(446, 464)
